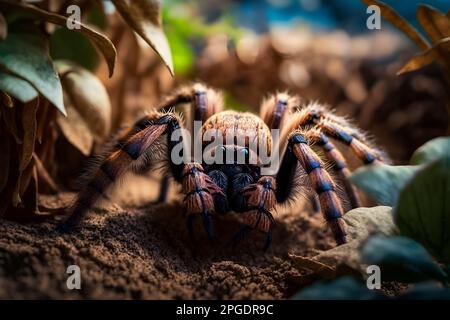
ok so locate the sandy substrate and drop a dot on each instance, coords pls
(143, 251)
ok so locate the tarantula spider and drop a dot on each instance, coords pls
(240, 187)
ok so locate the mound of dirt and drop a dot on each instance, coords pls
(143, 251)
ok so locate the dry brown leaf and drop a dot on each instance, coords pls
(105, 45)
(427, 57)
(75, 128)
(89, 96)
(317, 267)
(6, 100)
(4, 159)
(42, 119)
(144, 16)
(43, 174)
(22, 183)
(397, 20)
(3, 27)
(9, 120)
(434, 22)
(29, 125)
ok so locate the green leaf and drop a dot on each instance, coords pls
(144, 16)
(105, 45)
(68, 45)
(401, 259)
(383, 182)
(423, 209)
(26, 55)
(345, 288)
(183, 55)
(18, 88)
(432, 151)
(426, 291)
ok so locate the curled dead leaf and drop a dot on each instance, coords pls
(43, 174)
(144, 16)
(6, 100)
(434, 22)
(4, 159)
(397, 20)
(75, 128)
(425, 58)
(3, 27)
(10, 122)
(89, 97)
(22, 184)
(43, 119)
(29, 125)
(317, 267)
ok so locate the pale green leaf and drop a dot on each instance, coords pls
(383, 182)
(26, 55)
(431, 151)
(423, 209)
(105, 45)
(16, 87)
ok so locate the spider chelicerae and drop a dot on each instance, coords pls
(242, 187)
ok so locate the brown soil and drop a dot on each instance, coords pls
(136, 251)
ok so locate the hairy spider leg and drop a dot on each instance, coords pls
(200, 193)
(315, 117)
(197, 186)
(339, 163)
(261, 200)
(365, 153)
(337, 128)
(298, 149)
(274, 108)
(127, 151)
(204, 101)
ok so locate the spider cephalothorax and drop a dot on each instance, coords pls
(239, 184)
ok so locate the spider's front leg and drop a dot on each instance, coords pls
(202, 196)
(299, 151)
(260, 200)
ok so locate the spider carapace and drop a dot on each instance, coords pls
(217, 187)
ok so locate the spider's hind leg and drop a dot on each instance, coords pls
(125, 154)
